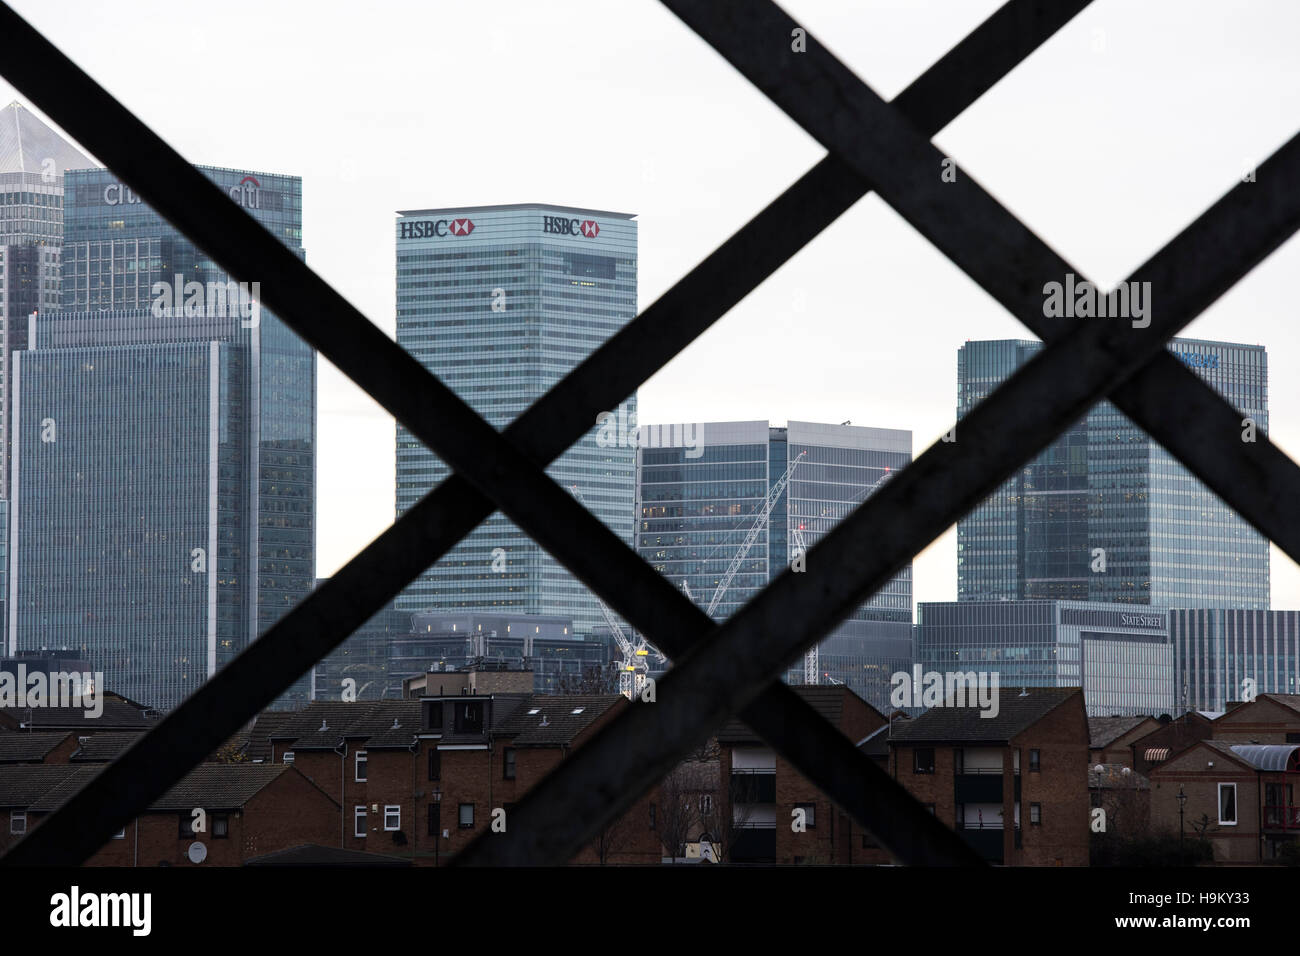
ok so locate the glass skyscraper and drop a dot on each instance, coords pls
(1106, 492)
(1218, 649)
(500, 302)
(1121, 656)
(33, 159)
(163, 506)
(702, 487)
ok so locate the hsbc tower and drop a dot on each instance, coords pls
(501, 302)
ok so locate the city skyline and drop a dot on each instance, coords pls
(1149, 163)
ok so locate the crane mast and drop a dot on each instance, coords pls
(633, 668)
(759, 524)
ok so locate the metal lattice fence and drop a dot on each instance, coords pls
(732, 668)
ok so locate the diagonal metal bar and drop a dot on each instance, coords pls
(330, 609)
(725, 674)
(841, 112)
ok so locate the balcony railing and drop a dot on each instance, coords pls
(1288, 818)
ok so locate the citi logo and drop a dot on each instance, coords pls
(571, 227)
(435, 228)
(248, 193)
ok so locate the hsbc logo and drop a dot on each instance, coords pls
(430, 228)
(571, 227)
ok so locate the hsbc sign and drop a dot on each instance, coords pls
(430, 228)
(570, 227)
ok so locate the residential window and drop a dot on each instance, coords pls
(508, 763)
(435, 716)
(1035, 764)
(923, 760)
(186, 829)
(361, 766)
(359, 821)
(1036, 813)
(392, 817)
(652, 816)
(466, 816)
(17, 821)
(809, 814)
(120, 834)
(288, 756)
(435, 819)
(221, 826)
(1228, 804)
(435, 764)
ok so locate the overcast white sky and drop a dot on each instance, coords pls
(1106, 142)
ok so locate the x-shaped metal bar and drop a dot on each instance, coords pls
(982, 239)
(325, 618)
(390, 543)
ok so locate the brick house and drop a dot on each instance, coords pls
(1241, 797)
(1111, 738)
(421, 778)
(1169, 738)
(250, 810)
(1015, 785)
(764, 791)
(1268, 719)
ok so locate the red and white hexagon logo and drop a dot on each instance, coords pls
(590, 229)
(461, 227)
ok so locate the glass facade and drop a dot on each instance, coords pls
(1217, 649)
(546, 645)
(500, 302)
(1121, 657)
(701, 488)
(163, 510)
(1106, 490)
(362, 659)
(33, 160)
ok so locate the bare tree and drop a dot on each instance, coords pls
(613, 838)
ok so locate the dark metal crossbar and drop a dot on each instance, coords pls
(719, 670)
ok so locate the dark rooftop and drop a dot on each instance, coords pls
(1015, 714)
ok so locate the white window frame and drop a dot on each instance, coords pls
(1235, 807)
(361, 764)
(16, 817)
(359, 817)
(391, 808)
(288, 757)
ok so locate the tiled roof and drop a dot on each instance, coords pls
(313, 854)
(826, 700)
(321, 725)
(101, 748)
(1015, 714)
(1103, 731)
(117, 715)
(28, 748)
(212, 786)
(43, 788)
(21, 785)
(554, 722)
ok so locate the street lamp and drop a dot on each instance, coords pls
(1182, 802)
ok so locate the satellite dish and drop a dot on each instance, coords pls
(197, 853)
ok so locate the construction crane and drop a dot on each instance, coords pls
(759, 524)
(811, 659)
(633, 668)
